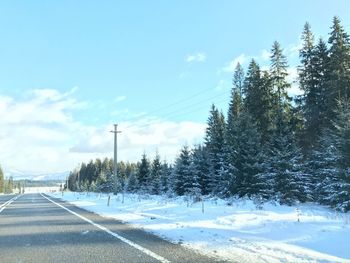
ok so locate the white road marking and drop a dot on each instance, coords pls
(85, 232)
(4, 205)
(127, 241)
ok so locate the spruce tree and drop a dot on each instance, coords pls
(338, 78)
(234, 110)
(340, 197)
(342, 126)
(323, 166)
(102, 183)
(284, 158)
(306, 55)
(1, 180)
(182, 173)
(307, 83)
(252, 83)
(278, 73)
(143, 174)
(72, 181)
(215, 142)
(313, 81)
(165, 179)
(97, 169)
(258, 99)
(201, 168)
(235, 104)
(246, 163)
(230, 148)
(238, 78)
(105, 167)
(156, 173)
(90, 171)
(132, 183)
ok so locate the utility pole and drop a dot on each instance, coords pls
(79, 185)
(115, 155)
(79, 188)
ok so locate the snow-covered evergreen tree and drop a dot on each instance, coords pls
(182, 172)
(340, 186)
(156, 173)
(2, 180)
(201, 167)
(278, 75)
(247, 157)
(338, 77)
(238, 78)
(143, 174)
(284, 157)
(165, 179)
(231, 142)
(214, 144)
(323, 165)
(193, 187)
(132, 183)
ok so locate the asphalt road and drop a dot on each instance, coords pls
(34, 229)
(5, 198)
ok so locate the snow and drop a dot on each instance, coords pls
(41, 189)
(238, 232)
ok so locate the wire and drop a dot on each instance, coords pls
(196, 109)
(184, 110)
(198, 103)
(174, 103)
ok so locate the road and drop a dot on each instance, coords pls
(4, 198)
(38, 228)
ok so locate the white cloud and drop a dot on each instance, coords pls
(120, 98)
(292, 75)
(40, 134)
(35, 131)
(293, 49)
(166, 136)
(231, 66)
(293, 79)
(222, 85)
(265, 68)
(263, 58)
(197, 57)
(265, 54)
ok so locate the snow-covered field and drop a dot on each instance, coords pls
(42, 189)
(238, 232)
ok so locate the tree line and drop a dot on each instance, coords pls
(6, 185)
(269, 146)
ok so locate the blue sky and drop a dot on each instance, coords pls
(99, 62)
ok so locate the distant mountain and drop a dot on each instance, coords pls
(19, 175)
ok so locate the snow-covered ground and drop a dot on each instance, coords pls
(238, 232)
(42, 189)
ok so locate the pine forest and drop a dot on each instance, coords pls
(268, 146)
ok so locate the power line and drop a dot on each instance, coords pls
(182, 100)
(196, 109)
(181, 112)
(198, 103)
(174, 103)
